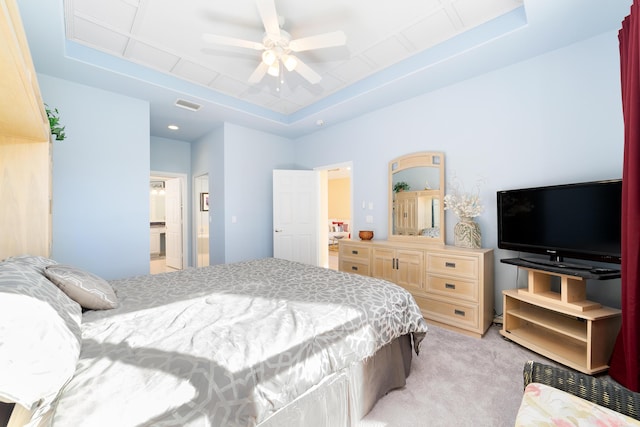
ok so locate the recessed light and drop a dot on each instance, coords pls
(320, 122)
(173, 127)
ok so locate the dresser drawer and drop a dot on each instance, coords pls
(354, 252)
(453, 287)
(461, 315)
(458, 265)
(350, 266)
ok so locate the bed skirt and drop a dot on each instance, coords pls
(341, 400)
(344, 398)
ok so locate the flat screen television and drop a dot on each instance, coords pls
(580, 221)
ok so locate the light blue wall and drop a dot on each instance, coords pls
(170, 155)
(240, 162)
(174, 156)
(207, 156)
(100, 180)
(552, 119)
(250, 157)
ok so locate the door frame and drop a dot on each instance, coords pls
(195, 206)
(324, 206)
(186, 220)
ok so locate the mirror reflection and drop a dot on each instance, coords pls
(416, 184)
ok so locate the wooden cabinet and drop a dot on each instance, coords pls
(452, 286)
(460, 288)
(354, 258)
(156, 235)
(25, 160)
(404, 267)
(562, 326)
(414, 211)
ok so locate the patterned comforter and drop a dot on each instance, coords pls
(227, 345)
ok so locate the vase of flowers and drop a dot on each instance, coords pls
(466, 233)
(466, 206)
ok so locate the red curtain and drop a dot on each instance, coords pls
(625, 361)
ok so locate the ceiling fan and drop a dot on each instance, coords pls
(278, 48)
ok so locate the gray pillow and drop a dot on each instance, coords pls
(87, 289)
(31, 262)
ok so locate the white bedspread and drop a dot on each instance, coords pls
(227, 345)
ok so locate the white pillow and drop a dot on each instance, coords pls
(40, 335)
(87, 289)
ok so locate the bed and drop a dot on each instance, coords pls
(267, 342)
(338, 229)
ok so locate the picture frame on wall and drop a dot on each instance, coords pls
(204, 202)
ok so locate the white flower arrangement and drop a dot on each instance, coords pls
(464, 205)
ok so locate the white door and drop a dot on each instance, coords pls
(296, 207)
(173, 223)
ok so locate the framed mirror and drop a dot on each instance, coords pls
(416, 198)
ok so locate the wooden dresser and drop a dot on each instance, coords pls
(452, 286)
(25, 161)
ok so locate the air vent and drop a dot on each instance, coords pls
(192, 106)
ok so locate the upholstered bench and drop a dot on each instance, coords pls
(557, 396)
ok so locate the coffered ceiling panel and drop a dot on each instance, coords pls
(167, 36)
(154, 50)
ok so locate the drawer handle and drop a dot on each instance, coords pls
(354, 268)
(449, 286)
(354, 252)
(459, 312)
(450, 264)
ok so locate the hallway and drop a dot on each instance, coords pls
(159, 265)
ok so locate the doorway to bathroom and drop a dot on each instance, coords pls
(167, 221)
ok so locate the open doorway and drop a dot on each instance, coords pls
(335, 210)
(201, 218)
(167, 221)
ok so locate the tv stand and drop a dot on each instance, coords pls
(563, 326)
(578, 270)
(559, 263)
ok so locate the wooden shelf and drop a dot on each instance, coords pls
(560, 325)
(25, 151)
(552, 321)
(553, 346)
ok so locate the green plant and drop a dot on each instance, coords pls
(400, 186)
(54, 123)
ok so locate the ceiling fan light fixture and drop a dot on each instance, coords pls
(269, 57)
(277, 46)
(274, 69)
(289, 62)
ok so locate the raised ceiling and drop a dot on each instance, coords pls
(166, 35)
(154, 50)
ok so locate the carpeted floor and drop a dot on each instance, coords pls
(458, 381)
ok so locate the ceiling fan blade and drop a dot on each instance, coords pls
(269, 15)
(305, 71)
(258, 73)
(336, 38)
(231, 41)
